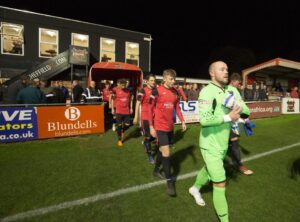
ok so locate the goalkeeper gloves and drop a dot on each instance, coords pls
(248, 126)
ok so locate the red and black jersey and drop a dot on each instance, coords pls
(144, 96)
(180, 91)
(106, 93)
(162, 103)
(122, 98)
(113, 95)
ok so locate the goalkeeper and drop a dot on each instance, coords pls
(216, 121)
(233, 148)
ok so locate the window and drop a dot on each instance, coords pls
(48, 39)
(107, 50)
(80, 40)
(132, 53)
(12, 39)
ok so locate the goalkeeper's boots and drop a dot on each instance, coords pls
(194, 191)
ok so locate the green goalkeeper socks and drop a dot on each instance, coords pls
(202, 178)
(220, 203)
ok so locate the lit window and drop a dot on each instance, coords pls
(107, 50)
(48, 39)
(80, 40)
(132, 53)
(12, 39)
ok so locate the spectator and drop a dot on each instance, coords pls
(186, 89)
(248, 93)
(193, 94)
(294, 92)
(91, 94)
(254, 91)
(63, 89)
(262, 92)
(59, 96)
(48, 91)
(278, 87)
(76, 92)
(31, 94)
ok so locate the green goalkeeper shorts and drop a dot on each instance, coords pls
(213, 159)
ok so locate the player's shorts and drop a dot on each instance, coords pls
(233, 135)
(123, 118)
(146, 128)
(164, 138)
(214, 163)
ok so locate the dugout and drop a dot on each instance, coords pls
(116, 70)
(278, 70)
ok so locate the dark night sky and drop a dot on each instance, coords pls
(187, 37)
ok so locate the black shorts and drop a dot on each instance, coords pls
(233, 135)
(164, 138)
(146, 128)
(123, 118)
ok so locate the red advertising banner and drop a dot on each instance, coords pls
(264, 109)
(63, 121)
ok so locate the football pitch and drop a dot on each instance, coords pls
(88, 178)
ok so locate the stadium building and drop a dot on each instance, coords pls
(44, 45)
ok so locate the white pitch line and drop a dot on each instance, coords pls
(98, 197)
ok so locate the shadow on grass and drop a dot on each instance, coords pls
(244, 150)
(178, 135)
(178, 157)
(295, 169)
(132, 132)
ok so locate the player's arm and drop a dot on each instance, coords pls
(113, 97)
(139, 98)
(131, 103)
(181, 93)
(151, 105)
(245, 113)
(109, 100)
(180, 116)
(137, 112)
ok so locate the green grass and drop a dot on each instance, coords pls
(43, 173)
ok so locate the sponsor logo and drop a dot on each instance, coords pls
(290, 106)
(188, 107)
(169, 105)
(18, 119)
(17, 124)
(72, 113)
(204, 102)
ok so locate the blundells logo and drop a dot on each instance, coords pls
(72, 113)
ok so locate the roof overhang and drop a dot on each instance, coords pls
(115, 70)
(275, 67)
